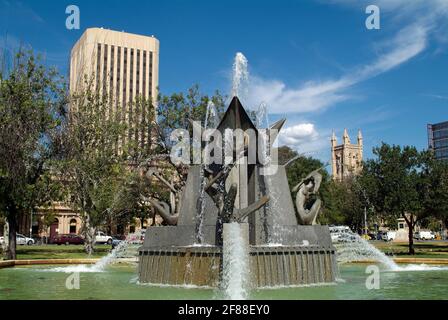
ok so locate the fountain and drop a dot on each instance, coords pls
(237, 218)
(359, 249)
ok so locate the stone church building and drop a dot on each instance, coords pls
(346, 158)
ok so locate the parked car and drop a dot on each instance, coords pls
(67, 239)
(339, 233)
(424, 235)
(22, 240)
(347, 237)
(101, 237)
(380, 235)
(389, 235)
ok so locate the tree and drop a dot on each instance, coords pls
(344, 204)
(178, 110)
(31, 100)
(94, 146)
(433, 188)
(396, 184)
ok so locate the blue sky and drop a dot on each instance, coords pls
(313, 62)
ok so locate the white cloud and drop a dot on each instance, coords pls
(303, 137)
(314, 96)
(298, 134)
(421, 20)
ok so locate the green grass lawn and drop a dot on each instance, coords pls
(423, 249)
(59, 252)
(426, 249)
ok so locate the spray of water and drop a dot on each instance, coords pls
(120, 251)
(211, 116)
(236, 264)
(200, 214)
(359, 249)
(261, 116)
(240, 76)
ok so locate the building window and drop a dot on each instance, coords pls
(117, 89)
(98, 66)
(73, 226)
(125, 77)
(137, 85)
(131, 95)
(54, 228)
(150, 73)
(105, 70)
(144, 74)
(441, 143)
(111, 72)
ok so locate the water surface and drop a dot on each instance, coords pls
(120, 282)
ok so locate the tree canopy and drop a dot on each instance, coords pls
(31, 105)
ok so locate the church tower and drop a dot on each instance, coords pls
(346, 158)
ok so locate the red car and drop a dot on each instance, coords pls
(67, 239)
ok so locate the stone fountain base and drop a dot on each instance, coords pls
(269, 266)
(306, 257)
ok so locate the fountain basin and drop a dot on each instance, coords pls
(120, 283)
(289, 265)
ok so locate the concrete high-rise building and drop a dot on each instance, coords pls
(122, 65)
(438, 139)
(347, 157)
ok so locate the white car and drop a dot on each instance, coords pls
(2, 240)
(389, 235)
(424, 235)
(101, 237)
(340, 234)
(22, 240)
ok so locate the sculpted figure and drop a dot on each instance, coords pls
(307, 188)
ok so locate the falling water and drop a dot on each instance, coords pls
(120, 251)
(211, 116)
(236, 264)
(359, 249)
(261, 116)
(240, 76)
(200, 214)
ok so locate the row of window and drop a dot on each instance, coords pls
(133, 56)
(441, 154)
(441, 143)
(440, 134)
(116, 52)
(439, 126)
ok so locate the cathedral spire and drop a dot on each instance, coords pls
(360, 138)
(333, 140)
(346, 138)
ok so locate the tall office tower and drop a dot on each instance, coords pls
(122, 66)
(347, 157)
(438, 139)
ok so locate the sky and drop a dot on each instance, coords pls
(313, 62)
